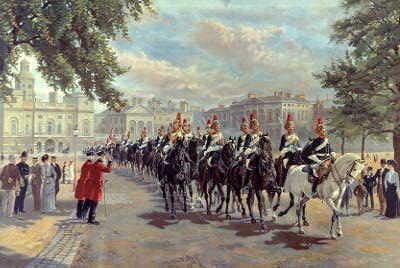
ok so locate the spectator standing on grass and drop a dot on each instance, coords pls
(10, 184)
(36, 183)
(392, 185)
(380, 189)
(369, 183)
(24, 171)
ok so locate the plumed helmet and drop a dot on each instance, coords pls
(319, 126)
(253, 121)
(244, 122)
(289, 121)
(215, 122)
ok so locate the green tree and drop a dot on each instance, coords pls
(370, 74)
(70, 40)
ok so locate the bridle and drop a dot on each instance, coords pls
(348, 175)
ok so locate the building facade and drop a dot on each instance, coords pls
(29, 123)
(134, 117)
(271, 113)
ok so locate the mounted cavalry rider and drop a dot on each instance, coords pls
(160, 136)
(255, 135)
(207, 135)
(198, 133)
(244, 140)
(187, 131)
(175, 134)
(215, 141)
(144, 139)
(289, 143)
(320, 155)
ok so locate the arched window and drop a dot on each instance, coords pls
(14, 126)
(59, 128)
(27, 129)
(132, 128)
(50, 127)
(85, 128)
(60, 147)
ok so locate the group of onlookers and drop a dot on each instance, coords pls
(386, 181)
(42, 176)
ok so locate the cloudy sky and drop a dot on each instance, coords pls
(214, 51)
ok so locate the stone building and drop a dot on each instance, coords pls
(271, 113)
(134, 117)
(29, 123)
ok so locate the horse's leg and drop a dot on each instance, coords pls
(228, 197)
(222, 197)
(299, 210)
(305, 222)
(250, 201)
(339, 229)
(278, 202)
(184, 196)
(291, 203)
(171, 193)
(332, 230)
(260, 201)
(205, 192)
(164, 193)
(210, 193)
(239, 197)
(271, 201)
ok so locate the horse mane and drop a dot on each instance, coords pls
(343, 161)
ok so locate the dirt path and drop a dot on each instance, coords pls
(138, 233)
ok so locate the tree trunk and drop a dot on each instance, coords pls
(396, 148)
(363, 138)
(342, 145)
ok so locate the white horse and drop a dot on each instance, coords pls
(345, 169)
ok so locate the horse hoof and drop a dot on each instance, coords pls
(253, 221)
(306, 223)
(301, 231)
(228, 217)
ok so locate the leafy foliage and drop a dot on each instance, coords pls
(70, 40)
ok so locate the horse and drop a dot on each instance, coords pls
(345, 169)
(132, 149)
(216, 174)
(235, 182)
(171, 171)
(192, 169)
(261, 176)
(148, 157)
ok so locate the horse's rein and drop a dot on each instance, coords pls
(348, 173)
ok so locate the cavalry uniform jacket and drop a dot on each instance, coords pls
(254, 139)
(187, 137)
(289, 143)
(319, 150)
(95, 183)
(143, 142)
(174, 137)
(215, 142)
(243, 143)
(85, 173)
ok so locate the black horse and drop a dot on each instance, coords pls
(172, 175)
(261, 176)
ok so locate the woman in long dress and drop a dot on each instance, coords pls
(49, 177)
(392, 188)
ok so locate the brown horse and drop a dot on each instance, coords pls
(214, 176)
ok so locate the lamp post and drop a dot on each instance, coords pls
(75, 134)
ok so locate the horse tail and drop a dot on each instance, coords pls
(291, 203)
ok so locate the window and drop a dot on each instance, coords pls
(50, 127)
(59, 128)
(27, 129)
(40, 116)
(85, 128)
(59, 116)
(14, 126)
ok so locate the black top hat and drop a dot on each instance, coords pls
(392, 163)
(89, 153)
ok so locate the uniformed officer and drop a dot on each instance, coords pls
(289, 141)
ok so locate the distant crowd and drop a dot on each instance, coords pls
(384, 182)
(41, 178)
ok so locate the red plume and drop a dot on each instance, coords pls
(184, 120)
(178, 116)
(289, 117)
(252, 116)
(244, 119)
(320, 120)
(198, 128)
(215, 117)
(208, 121)
(162, 127)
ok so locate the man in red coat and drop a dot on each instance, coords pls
(80, 186)
(95, 185)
